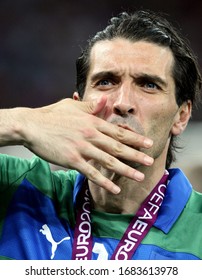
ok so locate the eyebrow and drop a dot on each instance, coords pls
(104, 74)
(141, 77)
(150, 78)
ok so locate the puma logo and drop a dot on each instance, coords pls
(46, 231)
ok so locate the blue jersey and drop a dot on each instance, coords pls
(38, 212)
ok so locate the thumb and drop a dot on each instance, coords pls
(95, 106)
(99, 104)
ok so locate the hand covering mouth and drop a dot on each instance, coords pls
(125, 127)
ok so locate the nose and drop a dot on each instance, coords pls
(124, 104)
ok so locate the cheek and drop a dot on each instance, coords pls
(90, 97)
(159, 132)
(160, 128)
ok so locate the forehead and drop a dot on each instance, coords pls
(124, 55)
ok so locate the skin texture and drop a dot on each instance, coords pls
(119, 134)
(68, 133)
(136, 79)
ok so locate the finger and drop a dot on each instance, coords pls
(120, 150)
(111, 163)
(125, 136)
(99, 104)
(96, 177)
(93, 107)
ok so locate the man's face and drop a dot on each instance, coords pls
(137, 79)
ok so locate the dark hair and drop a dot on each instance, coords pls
(155, 28)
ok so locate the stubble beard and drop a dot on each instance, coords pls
(134, 126)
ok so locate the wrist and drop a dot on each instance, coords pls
(13, 126)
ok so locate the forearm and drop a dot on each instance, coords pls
(13, 126)
(69, 134)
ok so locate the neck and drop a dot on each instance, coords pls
(131, 196)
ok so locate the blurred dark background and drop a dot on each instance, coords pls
(41, 39)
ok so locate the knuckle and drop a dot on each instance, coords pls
(93, 174)
(117, 149)
(110, 162)
(73, 157)
(88, 133)
(120, 133)
(80, 145)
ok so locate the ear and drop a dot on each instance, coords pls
(76, 96)
(182, 118)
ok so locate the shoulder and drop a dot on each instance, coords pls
(36, 171)
(180, 183)
(195, 202)
(183, 192)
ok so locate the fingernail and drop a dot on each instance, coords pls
(138, 176)
(116, 189)
(148, 143)
(148, 160)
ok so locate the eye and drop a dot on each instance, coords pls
(151, 85)
(105, 82)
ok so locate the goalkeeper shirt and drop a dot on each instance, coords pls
(38, 214)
